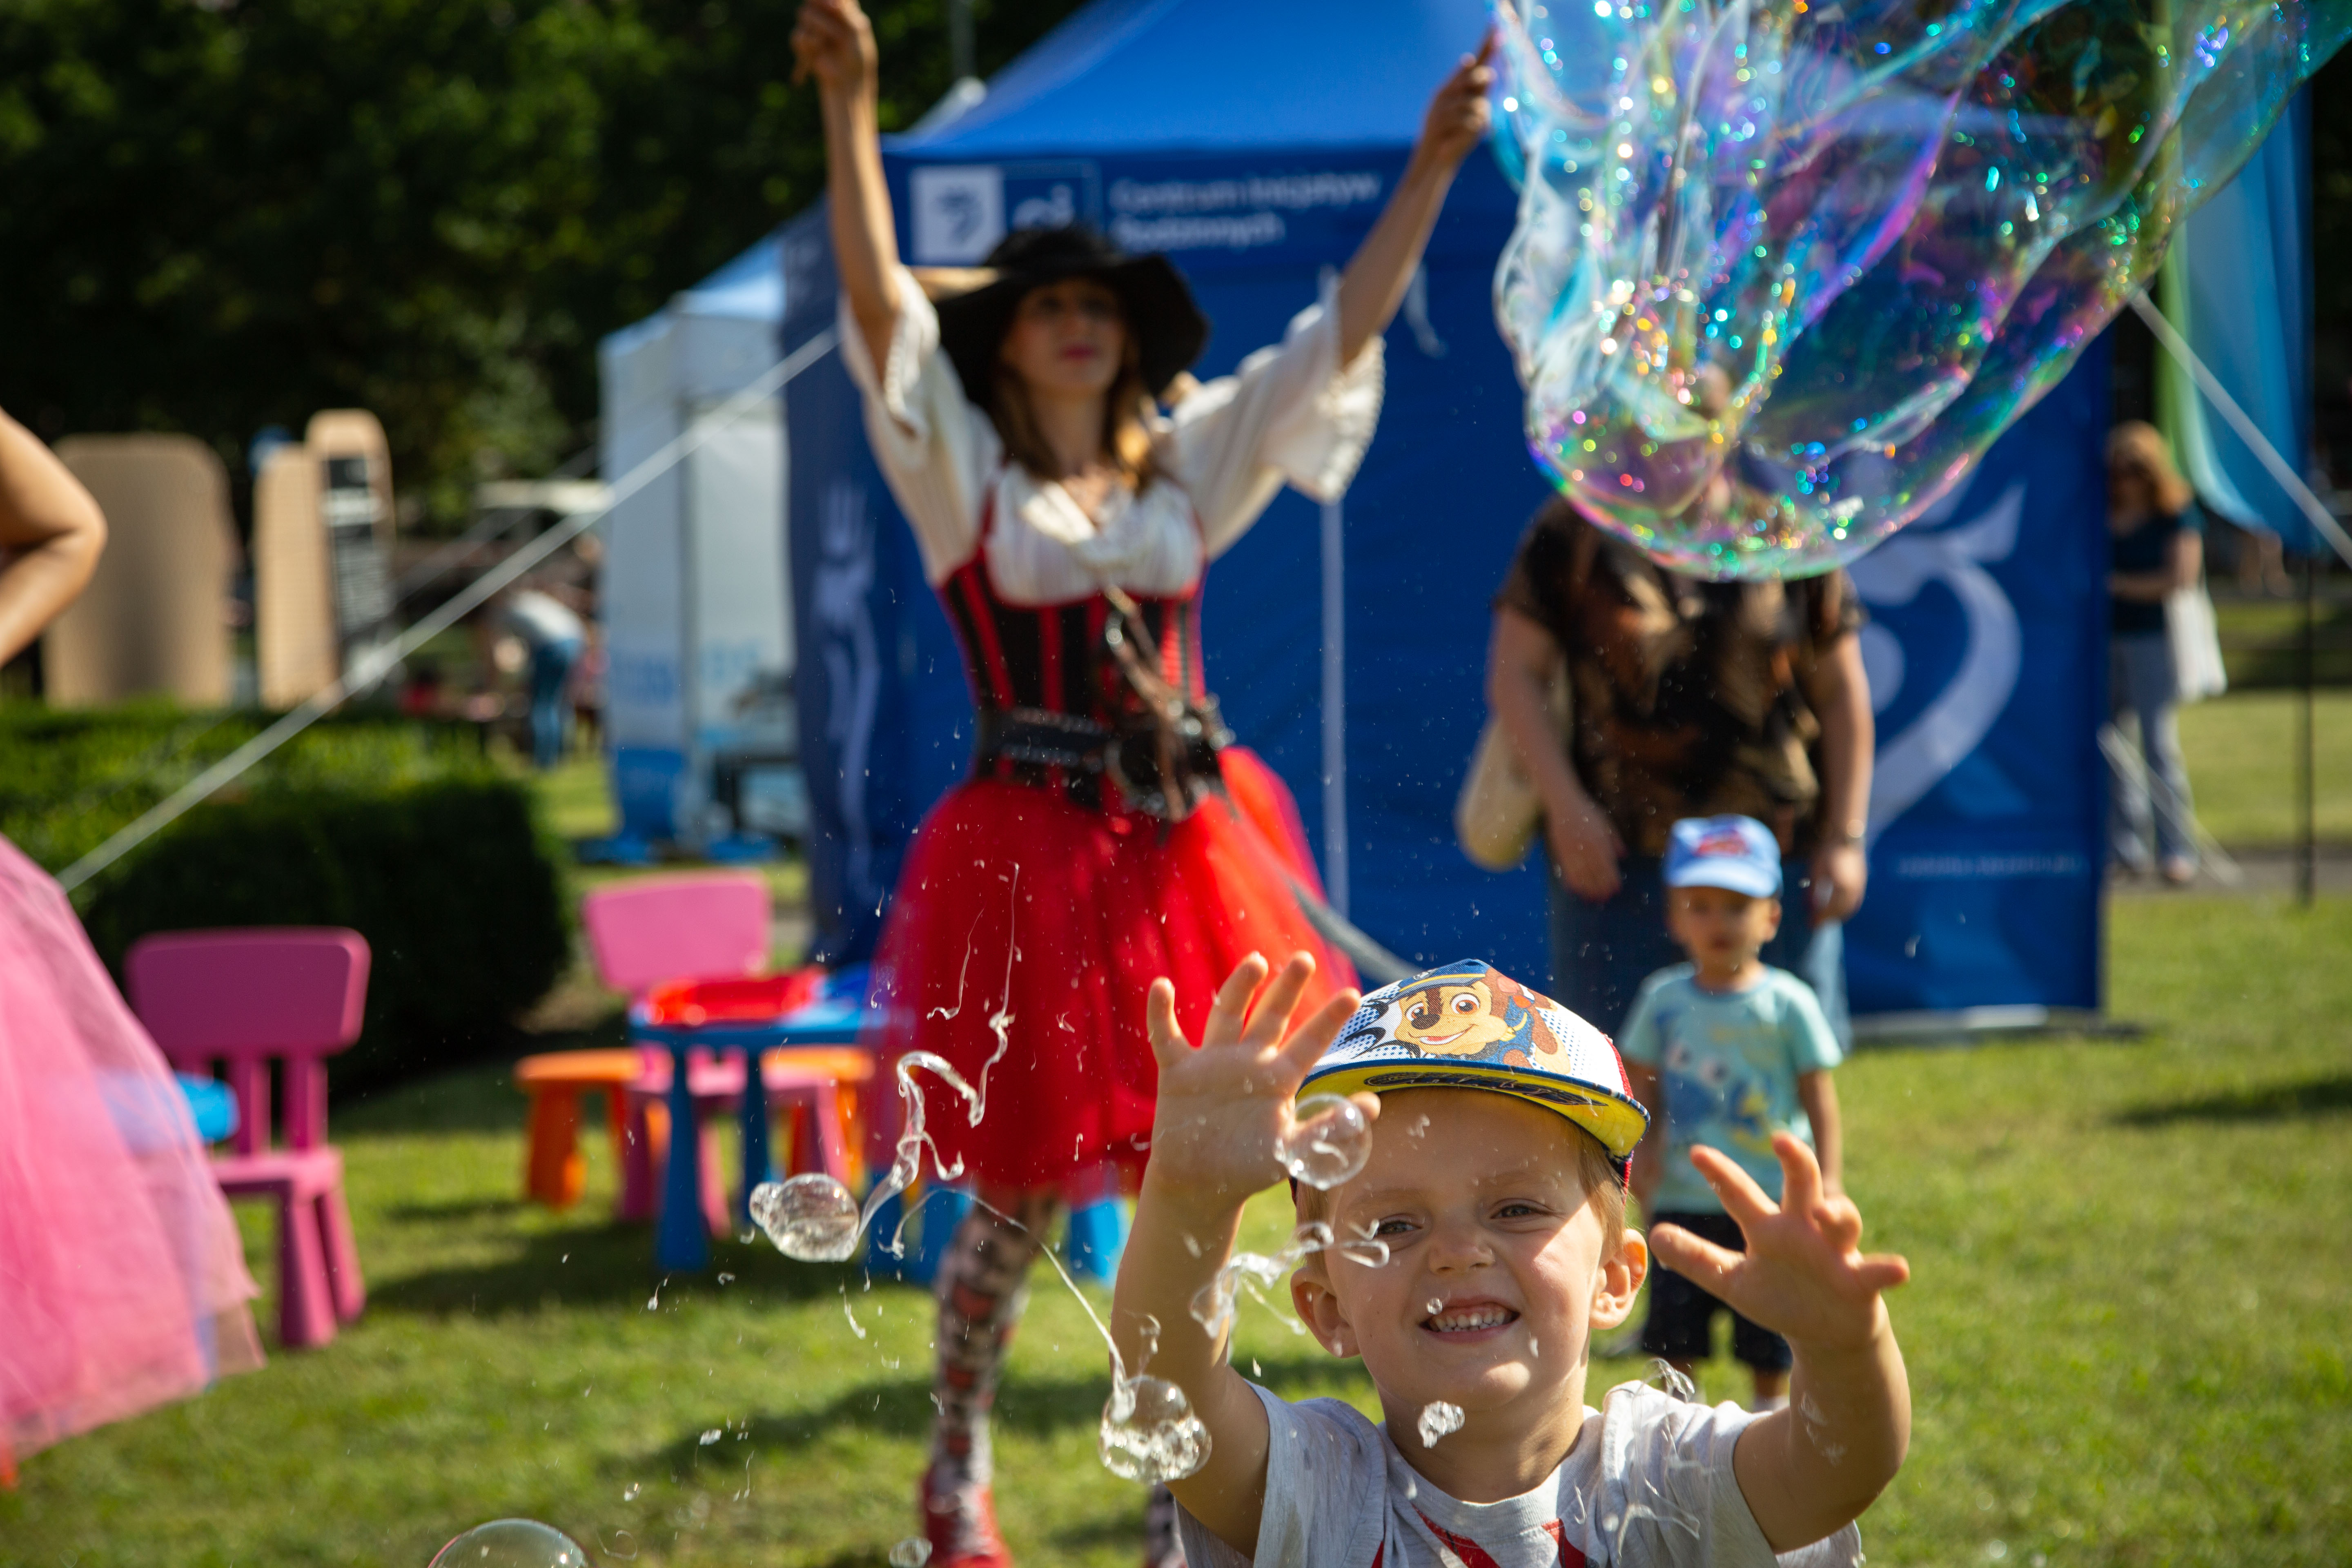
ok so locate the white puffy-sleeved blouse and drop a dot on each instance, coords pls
(1289, 413)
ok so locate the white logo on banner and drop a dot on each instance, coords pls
(1963, 713)
(959, 213)
(853, 666)
(1055, 209)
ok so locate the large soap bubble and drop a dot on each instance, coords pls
(1784, 268)
(511, 1543)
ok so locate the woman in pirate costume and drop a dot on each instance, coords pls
(1067, 485)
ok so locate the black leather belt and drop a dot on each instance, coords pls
(1125, 759)
(1040, 737)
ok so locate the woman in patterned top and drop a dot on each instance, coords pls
(1068, 486)
(1688, 699)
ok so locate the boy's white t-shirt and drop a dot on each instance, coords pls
(1648, 1482)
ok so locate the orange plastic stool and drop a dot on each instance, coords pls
(554, 1172)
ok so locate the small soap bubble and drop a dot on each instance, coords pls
(911, 1552)
(811, 1217)
(1329, 1143)
(1438, 1418)
(1149, 1433)
(511, 1543)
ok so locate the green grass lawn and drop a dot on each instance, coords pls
(2242, 765)
(2126, 1330)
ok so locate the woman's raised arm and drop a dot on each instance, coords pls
(834, 42)
(1377, 275)
(51, 534)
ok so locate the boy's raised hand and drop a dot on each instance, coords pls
(1803, 1275)
(1225, 1107)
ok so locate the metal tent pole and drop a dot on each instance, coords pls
(2306, 870)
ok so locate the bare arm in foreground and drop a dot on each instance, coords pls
(1222, 1108)
(1809, 1469)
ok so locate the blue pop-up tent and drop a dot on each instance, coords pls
(1255, 144)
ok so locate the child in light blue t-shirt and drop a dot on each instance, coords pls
(1726, 1051)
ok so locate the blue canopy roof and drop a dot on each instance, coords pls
(1123, 75)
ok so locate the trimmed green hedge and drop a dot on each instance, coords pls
(399, 829)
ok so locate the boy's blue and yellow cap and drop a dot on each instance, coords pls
(1470, 1025)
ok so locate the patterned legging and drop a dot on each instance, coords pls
(982, 1287)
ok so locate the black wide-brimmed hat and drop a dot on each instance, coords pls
(976, 303)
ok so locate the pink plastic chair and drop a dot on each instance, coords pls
(248, 998)
(707, 925)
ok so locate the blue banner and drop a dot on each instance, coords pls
(2237, 287)
(1986, 654)
(1987, 646)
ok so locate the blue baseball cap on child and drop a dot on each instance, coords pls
(1734, 852)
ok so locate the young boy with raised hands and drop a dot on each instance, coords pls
(1501, 1126)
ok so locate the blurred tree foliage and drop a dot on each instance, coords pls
(221, 216)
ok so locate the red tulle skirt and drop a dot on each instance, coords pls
(1029, 925)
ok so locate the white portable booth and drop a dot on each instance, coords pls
(696, 600)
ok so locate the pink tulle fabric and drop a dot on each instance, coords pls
(122, 1282)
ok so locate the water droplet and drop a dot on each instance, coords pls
(511, 1543)
(1149, 1433)
(631, 1495)
(1329, 1143)
(1256, 1370)
(711, 1436)
(911, 1552)
(811, 1217)
(1438, 1418)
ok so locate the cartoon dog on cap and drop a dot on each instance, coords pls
(1468, 1012)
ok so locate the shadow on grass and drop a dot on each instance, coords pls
(456, 1208)
(479, 1097)
(901, 1407)
(602, 1266)
(2329, 1096)
(474, 1093)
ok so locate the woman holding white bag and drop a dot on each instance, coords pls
(2157, 538)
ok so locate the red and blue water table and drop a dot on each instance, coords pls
(807, 1009)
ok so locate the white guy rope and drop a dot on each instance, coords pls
(374, 664)
(2278, 468)
(2163, 799)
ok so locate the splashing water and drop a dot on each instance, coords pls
(813, 1217)
(1781, 273)
(511, 1543)
(911, 1552)
(1669, 1380)
(1437, 1419)
(1214, 1304)
(1149, 1432)
(1329, 1142)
